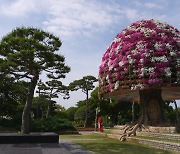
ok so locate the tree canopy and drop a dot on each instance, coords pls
(29, 51)
(85, 84)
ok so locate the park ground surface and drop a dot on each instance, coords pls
(84, 143)
(43, 148)
(103, 145)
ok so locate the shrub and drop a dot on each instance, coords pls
(52, 124)
(11, 123)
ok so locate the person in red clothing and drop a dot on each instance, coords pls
(100, 128)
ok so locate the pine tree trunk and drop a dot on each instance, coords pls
(86, 115)
(48, 109)
(86, 112)
(27, 108)
(49, 105)
(42, 112)
(152, 107)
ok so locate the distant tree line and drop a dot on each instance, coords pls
(113, 112)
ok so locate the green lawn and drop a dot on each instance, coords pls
(104, 145)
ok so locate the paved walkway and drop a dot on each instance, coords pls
(64, 147)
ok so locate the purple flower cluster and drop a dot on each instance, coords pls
(145, 54)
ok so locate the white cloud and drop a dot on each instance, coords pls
(18, 8)
(77, 17)
(152, 6)
(72, 18)
(131, 14)
(136, 14)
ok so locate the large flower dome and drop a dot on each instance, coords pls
(144, 55)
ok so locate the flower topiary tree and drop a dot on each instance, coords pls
(143, 63)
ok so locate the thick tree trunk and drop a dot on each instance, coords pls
(27, 108)
(152, 113)
(152, 107)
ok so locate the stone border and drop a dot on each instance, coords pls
(153, 143)
(160, 135)
(157, 144)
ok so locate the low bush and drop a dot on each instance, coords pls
(11, 123)
(52, 124)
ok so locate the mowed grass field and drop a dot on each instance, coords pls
(103, 145)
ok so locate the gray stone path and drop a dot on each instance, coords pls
(64, 147)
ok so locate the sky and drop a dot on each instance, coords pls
(85, 27)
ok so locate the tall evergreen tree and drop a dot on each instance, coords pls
(86, 84)
(52, 89)
(28, 52)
